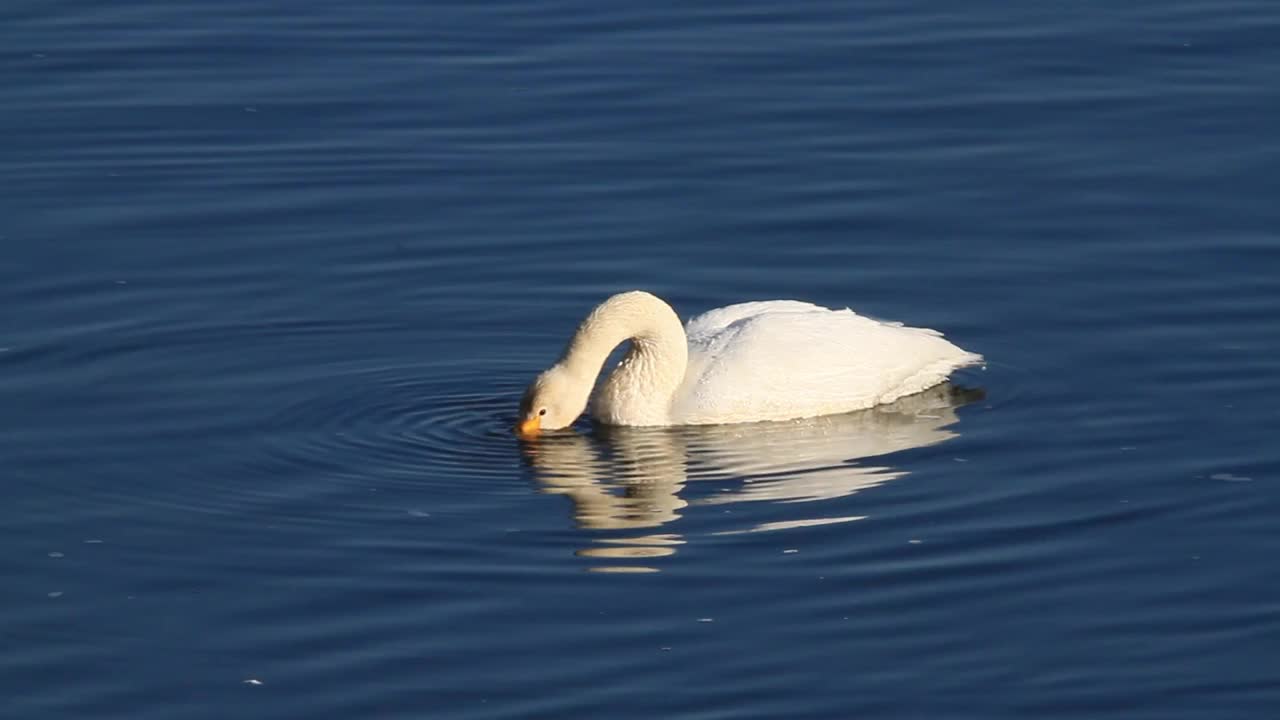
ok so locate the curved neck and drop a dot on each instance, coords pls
(639, 391)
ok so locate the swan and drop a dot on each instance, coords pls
(749, 362)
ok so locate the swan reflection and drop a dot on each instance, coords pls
(633, 479)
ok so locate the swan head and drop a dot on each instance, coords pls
(553, 401)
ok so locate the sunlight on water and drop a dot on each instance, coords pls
(792, 524)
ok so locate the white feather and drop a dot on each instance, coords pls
(785, 359)
(775, 360)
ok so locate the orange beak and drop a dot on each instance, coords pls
(529, 427)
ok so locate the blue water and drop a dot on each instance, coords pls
(275, 274)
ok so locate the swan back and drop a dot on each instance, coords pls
(783, 360)
(711, 322)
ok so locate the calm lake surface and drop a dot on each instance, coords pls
(275, 274)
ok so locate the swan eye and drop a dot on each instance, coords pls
(542, 412)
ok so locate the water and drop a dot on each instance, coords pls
(275, 275)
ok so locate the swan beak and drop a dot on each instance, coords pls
(529, 427)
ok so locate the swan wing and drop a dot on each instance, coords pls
(784, 359)
(708, 324)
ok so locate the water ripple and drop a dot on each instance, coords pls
(394, 421)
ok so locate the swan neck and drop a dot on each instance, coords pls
(650, 372)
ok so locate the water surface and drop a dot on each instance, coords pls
(274, 277)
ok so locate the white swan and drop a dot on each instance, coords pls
(775, 360)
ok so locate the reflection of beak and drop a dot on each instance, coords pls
(529, 427)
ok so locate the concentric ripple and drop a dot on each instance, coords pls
(396, 421)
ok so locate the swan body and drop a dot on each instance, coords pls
(755, 361)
